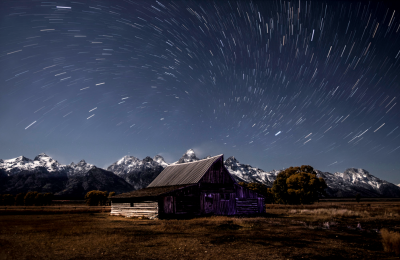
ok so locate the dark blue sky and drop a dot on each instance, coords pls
(274, 83)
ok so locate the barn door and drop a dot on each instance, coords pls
(169, 205)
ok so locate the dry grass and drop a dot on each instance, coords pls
(391, 241)
(286, 232)
(331, 212)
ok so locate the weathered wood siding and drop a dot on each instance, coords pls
(168, 205)
(137, 209)
(117, 208)
(181, 201)
(246, 206)
(248, 201)
(217, 174)
(217, 203)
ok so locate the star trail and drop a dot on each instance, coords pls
(274, 83)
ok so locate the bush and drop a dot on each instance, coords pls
(96, 198)
(391, 241)
(298, 185)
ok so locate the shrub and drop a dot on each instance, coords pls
(390, 241)
(96, 198)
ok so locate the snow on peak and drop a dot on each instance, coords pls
(127, 159)
(21, 163)
(231, 161)
(81, 168)
(42, 155)
(189, 156)
(129, 165)
(160, 160)
(247, 173)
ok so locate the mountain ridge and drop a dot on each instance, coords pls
(46, 174)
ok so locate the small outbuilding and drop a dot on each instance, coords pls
(204, 187)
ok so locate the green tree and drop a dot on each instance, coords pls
(96, 198)
(298, 185)
(260, 189)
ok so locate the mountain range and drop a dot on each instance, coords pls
(44, 174)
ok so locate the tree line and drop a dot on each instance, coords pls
(32, 198)
(98, 198)
(295, 185)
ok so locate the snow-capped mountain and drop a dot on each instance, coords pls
(42, 162)
(353, 181)
(247, 173)
(189, 156)
(44, 174)
(80, 168)
(138, 173)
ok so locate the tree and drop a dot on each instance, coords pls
(30, 198)
(19, 199)
(298, 185)
(96, 198)
(260, 189)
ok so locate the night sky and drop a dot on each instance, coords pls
(274, 83)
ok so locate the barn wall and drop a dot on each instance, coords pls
(136, 209)
(217, 174)
(248, 201)
(180, 202)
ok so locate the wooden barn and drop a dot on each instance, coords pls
(203, 187)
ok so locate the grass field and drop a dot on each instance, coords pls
(325, 230)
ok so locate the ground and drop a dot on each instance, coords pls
(325, 230)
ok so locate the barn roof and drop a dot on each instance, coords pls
(150, 192)
(183, 173)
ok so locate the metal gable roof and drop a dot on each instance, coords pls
(183, 173)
